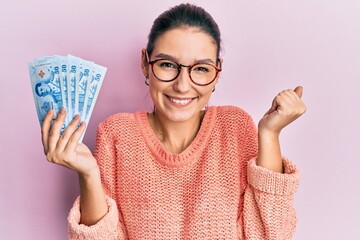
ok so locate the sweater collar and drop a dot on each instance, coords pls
(190, 154)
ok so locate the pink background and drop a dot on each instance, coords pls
(268, 46)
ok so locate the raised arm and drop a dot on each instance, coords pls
(272, 179)
(286, 107)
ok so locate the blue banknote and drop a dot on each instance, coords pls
(93, 89)
(46, 85)
(73, 81)
(84, 80)
(65, 82)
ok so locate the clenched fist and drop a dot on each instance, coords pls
(286, 107)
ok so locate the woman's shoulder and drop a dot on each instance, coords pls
(117, 118)
(233, 120)
(230, 113)
(120, 121)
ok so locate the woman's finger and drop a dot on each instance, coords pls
(299, 91)
(293, 105)
(54, 133)
(45, 127)
(70, 129)
(297, 103)
(75, 137)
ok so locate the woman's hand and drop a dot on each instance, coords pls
(286, 107)
(65, 150)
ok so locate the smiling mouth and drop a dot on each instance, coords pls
(182, 101)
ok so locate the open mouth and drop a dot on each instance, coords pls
(181, 101)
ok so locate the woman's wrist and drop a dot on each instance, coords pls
(91, 178)
(269, 155)
(92, 198)
(266, 133)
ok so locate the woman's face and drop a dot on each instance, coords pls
(181, 99)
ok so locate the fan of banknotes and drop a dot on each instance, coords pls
(65, 82)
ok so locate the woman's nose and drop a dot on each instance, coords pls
(183, 82)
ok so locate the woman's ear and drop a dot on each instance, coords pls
(144, 63)
(219, 65)
(220, 62)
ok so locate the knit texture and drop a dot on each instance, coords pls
(212, 190)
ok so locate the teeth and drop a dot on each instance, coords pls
(180, 101)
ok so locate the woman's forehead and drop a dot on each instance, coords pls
(185, 43)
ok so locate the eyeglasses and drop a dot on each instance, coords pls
(201, 74)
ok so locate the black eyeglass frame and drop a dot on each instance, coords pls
(217, 69)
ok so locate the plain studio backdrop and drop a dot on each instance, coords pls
(268, 46)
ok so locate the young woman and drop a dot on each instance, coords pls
(184, 171)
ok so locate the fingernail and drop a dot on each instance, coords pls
(62, 110)
(77, 116)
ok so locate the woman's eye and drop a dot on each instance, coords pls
(167, 65)
(201, 69)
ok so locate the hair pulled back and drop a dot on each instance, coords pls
(184, 15)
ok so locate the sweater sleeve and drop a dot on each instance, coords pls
(268, 211)
(109, 227)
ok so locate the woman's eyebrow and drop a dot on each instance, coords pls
(167, 57)
(174, 59)
(206, 60)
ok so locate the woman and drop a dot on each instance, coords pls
(185, 171)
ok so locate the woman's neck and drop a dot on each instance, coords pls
(175, 136)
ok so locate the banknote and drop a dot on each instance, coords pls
(46, 86)
(84, 78)
(65, 82)
(73, 81)
(93, 89)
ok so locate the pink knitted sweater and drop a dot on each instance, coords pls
(212, 190)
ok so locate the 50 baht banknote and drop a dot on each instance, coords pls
(65, 82)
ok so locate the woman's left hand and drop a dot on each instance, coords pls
(286, 107)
